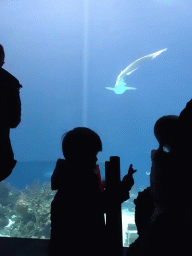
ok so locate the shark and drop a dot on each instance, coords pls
(120, 86)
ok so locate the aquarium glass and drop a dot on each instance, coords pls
(73, 59)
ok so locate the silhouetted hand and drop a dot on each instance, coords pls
(128, 180)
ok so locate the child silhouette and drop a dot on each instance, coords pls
(77, 211)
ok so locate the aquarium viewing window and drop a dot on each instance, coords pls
(113, 66)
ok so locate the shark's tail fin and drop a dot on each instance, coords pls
(159, 52)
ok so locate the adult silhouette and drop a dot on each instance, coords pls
(10, 116)
(167, 228)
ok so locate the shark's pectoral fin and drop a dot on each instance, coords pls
(110, 88)
(131, 88)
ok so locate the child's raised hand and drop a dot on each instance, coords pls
(128, 180)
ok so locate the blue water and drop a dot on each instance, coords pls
(64, 53)
(45, 49)
(25, 173)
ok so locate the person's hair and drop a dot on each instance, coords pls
(2, 54)
(79, 141)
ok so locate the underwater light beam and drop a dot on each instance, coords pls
(120, 87)
(85, 62)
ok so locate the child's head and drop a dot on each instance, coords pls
(81, 145)
(174, 132)
(166, 131)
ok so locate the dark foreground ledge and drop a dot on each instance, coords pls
(10, 246)
(13, 246)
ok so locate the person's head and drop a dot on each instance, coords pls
(80, 146)
(166, 131)
(2, 55)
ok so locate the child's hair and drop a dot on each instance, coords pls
(79, 141)
(166, 131)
